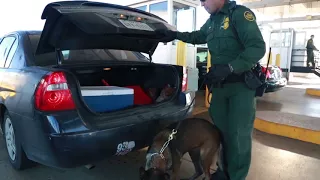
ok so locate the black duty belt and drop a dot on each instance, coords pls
(234, 78)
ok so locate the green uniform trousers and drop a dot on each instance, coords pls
(233, 110)
(310, 58)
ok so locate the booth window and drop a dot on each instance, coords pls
(184, 17)
(142, 8)
(300, 39)
(280, 39)
(160, 9)
(202, 55)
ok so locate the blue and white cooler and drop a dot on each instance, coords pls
(107, 98)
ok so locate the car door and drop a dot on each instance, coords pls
(5, 49)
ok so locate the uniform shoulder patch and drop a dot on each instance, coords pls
(249, 16)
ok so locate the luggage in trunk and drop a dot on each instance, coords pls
(112, 88)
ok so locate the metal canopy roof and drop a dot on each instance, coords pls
(287, 12)
(137, 2)
(272, 3)
(285, 8)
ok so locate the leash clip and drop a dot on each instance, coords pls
(167, 142)
(171, 135)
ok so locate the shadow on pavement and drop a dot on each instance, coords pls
(287, 144)
(263, 105)
(279, 142)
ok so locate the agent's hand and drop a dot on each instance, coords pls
(168, 35)
(218, 72)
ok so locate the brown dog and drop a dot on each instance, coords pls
(198, 137)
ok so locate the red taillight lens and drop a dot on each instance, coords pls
(53, 93)
(185, 80)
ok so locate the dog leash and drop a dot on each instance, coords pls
(175, 130)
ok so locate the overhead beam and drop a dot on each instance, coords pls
(273, 3)
(291, 19)
(317, 27)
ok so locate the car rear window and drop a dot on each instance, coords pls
(69, 56)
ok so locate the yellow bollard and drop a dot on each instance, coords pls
(181, 53)
(270, 62)
(278, 60)
(207, 91)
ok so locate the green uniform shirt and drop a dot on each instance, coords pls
(310, 45)
(222, 42)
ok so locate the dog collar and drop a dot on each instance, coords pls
(160, 154)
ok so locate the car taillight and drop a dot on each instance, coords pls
(53, 94)
(185, 80)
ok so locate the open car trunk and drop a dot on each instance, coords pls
(94, 33)
(118, 87)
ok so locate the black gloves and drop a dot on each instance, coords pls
(217, 73)
(167, 35)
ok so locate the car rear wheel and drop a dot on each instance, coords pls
(17, 156)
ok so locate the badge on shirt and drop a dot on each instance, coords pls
(225, 23)
(249, 16)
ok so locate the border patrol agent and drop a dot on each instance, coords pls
(236, 45)
(310, 54)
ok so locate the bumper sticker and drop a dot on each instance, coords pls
(125, 147)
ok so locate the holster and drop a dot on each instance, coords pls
(251, 80)
(256, 80)
(261, 90)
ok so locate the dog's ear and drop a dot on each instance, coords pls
(142, 172)
(167, 176)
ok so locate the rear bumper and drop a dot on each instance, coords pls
(65, 142)
(72, 150)
(277, 85)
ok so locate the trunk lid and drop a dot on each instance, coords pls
(90, 25)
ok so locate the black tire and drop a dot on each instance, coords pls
(19, 161)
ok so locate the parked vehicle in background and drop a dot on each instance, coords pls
(275, 78)
(83, 90)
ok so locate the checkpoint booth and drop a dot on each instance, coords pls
(290, 45)
(182, 15)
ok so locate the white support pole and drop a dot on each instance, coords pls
(281, 34)
(170, 11)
